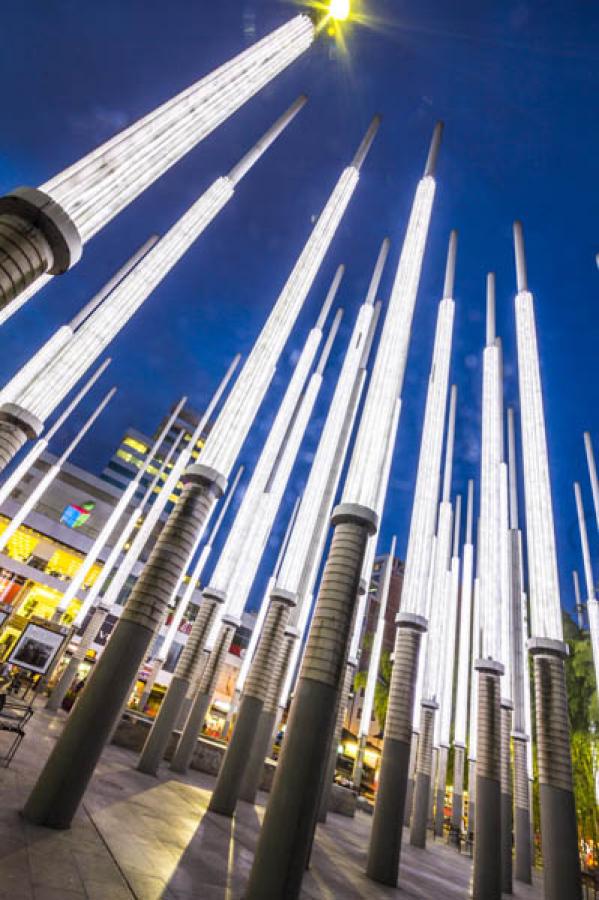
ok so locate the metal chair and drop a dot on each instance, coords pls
(13, 718)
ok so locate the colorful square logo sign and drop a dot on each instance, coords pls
(75, 516)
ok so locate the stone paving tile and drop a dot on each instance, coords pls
(149, 838)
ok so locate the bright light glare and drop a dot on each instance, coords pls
(339, 9)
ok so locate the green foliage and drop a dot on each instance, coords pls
(381, 690)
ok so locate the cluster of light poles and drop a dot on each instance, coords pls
(448, 601)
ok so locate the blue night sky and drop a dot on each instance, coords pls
(517, 85)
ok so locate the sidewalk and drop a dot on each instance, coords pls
(149, 838)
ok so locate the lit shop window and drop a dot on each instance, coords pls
(21, 544)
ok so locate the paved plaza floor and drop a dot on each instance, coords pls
(150, 838)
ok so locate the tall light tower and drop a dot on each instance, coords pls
(559, 834)
(592, 602)
(43, 230)
(521, 735)
(486, 878)
(24, 415)
(298, 559)
(286, 835)
(63, 781)
(385, 840)
(463, 669)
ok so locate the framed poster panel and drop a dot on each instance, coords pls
(36, 649)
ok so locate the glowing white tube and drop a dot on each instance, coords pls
(491, 457)
(368, 457)
(133, 553)
(293, 563)
(505, 585)
(476, 654)
(91, 598)
(229, 432)
(41, 397)
(36, 365)
(434, 669)
(249, 562)
(584, 544)
(242, 533)
(449, 634)
(588, 446)
(99, 186)
(15, 305)
(113, 519)
(379, 506)
(461, 703)
(51, 474)
(377, 646)
(38, 448)
(426, 493)
(543, 578)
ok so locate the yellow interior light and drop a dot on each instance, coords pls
(339, 9)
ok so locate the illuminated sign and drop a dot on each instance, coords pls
(76, 516)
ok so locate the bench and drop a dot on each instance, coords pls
(13, 718)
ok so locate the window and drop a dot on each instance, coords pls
(135, 445)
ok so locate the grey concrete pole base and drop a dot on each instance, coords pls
(286, 837)
(191, 732)
(522, 824)
(226, 790)
(283, 849)
(506, 843)
(559, 832)
(60, 787)
(385, 837)
(384, 850)
(260, 749)
(327, 785)
(523, 847)
(431, 797)
(458, 787)
(12, 438)
(420, 810)
(472, 816)
(61, 688)
(184, 711)
(439, 810)
(486, 872)
(471, 795)
(407, 815)
(159, 736)
(358, 769)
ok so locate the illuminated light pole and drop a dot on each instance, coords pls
(298, 560)
(588, 446)
(487, 869)
(41, 444)
(434, 671)
(559, 835)
(373, 669)
(446, 683)
(578, 601)
(354, 646)
(523, 849)
(47, 479)
(239, 558)
(286, 835)
(193, 583)
(507, 704)
(27, 410)
(386, 835)
(257, 629)
(463, 670)
(225, 442)
(42, 231)
(473, 700)
(57, 696)
(93, 598)
(37, 363)
(592, 602)
(245, 572)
